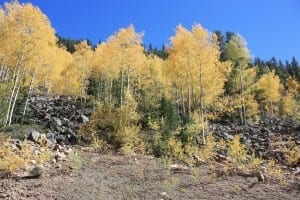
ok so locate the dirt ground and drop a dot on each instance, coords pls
(95, 176)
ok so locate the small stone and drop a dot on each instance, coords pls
(37, 151)
(163, 194)
(34, 136)
(58, 166)
(43, 140)
(260, 176)
(57, 121)
(84, 119)
(36, 172)
(228, 136)
(33, 162)
(68, 150)
(265, 130)
(297, 172)
(252, 180)
(179, 167)
(57, 147)
(59, 156)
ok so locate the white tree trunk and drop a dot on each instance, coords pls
(29, 92)
(16, 80)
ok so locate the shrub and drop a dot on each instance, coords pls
(115, 127)
(191, 133)
(208, 151)
(237, 152)
(13, 159)
(127, 139)
(175, 149)
(274, 171)
(10, 161)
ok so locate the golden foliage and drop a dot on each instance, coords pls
(194, 63)
(10, 161)
(292, 155)
(207, 152)
(237, 151)
(270, 85)
(290, 105)
(175, 149)
(274, 171)
(13, 159)
(114, 126)
(293, 85)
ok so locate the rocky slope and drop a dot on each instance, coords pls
(267, 138)
(63, 116)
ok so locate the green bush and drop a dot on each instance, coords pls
(117, 127)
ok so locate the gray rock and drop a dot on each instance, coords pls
(57, 121)
(34, 135)
(51, 137)
(36, 172)
(252, 180)
(265, 130)
(84, 119)
(59, 156)
(228, 136)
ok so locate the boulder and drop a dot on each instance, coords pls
(84, 119)
(34, 135)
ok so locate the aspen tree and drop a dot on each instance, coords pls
(270, 86)
(194, 66)
(25, 33)
(83, 62)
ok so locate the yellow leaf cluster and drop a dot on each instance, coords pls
(270, 85)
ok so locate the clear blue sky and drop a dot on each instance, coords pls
(270, 27)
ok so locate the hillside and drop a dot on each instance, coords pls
(198, 118)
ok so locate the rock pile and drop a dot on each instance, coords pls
(62, 115)
(264, 138)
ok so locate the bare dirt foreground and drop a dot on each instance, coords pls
(94, 176)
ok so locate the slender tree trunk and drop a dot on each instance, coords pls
(99, 95)
(121, 89)
(110, 91)
(189, 100)
(243, 109)
(4, 75)
(193, 99)
(202, 105)
(182, 99)
(178, 105)
(16, 80)
(271, 109)
(81, 91)
(128, 78)
(29, 92)
(98, 91)
(104, 96)
(202, 122)
(240, 110)
(14, 103)
(2, 69)
(18, 85)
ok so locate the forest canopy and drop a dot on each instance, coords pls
(201, 74)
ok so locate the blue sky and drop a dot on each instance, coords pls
(270, 27)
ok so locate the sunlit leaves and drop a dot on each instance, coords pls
(270, 85)
(194, 63)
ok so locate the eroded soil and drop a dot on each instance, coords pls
(95, 176)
